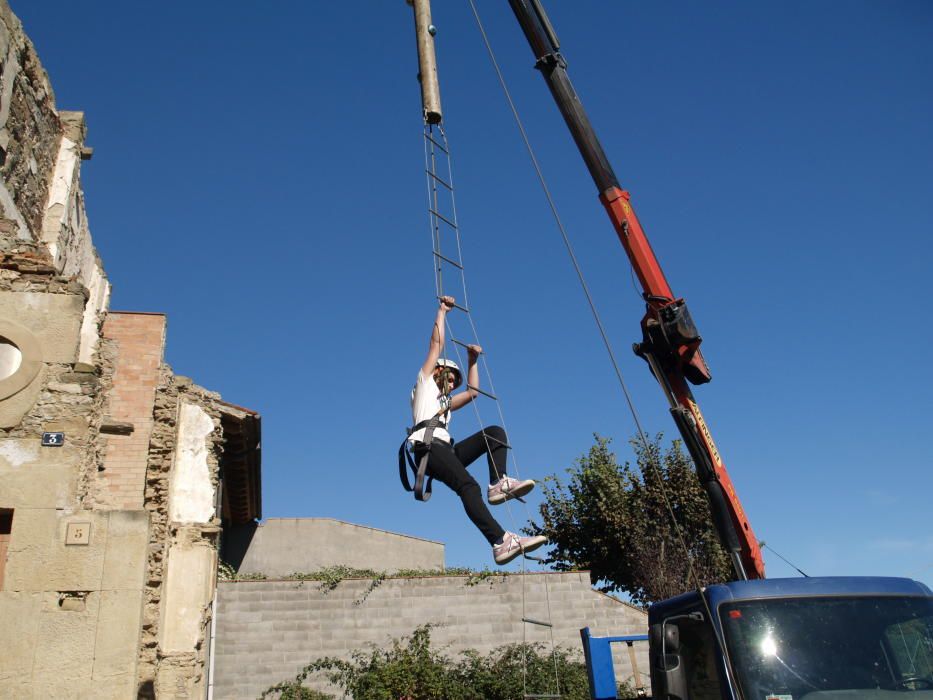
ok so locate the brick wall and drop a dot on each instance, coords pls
(140, 339)
(268, 630)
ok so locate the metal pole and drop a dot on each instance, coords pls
(427, 62)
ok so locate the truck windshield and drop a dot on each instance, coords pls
(792, 648)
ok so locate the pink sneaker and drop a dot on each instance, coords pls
(513, 545)
(507, 488)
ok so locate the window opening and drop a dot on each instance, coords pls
(10, 358)
(6, 527)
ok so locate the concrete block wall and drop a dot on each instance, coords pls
(283, 546)
(268, 630)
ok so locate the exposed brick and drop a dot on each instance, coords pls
(139, 341)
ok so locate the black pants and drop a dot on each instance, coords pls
(448, 465)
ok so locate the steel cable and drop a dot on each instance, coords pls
(653, 463)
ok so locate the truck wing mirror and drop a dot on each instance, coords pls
(668, 675)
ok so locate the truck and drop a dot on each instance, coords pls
(752, 638)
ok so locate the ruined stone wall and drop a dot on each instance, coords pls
(73, 575)
(184, 449)
(108, 461)
(30, 130)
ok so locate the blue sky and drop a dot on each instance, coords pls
(258, 176)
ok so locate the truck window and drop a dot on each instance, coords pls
(910, 645)
(698, 653)
(807, 647)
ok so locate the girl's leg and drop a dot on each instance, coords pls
(444, 466)
(490, 441)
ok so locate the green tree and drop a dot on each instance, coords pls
(614, 521)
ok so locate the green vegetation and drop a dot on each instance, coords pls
(614, 521)
(330, 576)
(412, 670)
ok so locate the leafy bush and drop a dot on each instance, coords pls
(412, 670)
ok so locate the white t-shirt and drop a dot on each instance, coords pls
(426, 402)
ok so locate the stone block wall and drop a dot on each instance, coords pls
(267, 630)
(71, 613)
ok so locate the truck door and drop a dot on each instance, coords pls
(685, 659)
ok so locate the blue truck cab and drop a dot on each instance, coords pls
(832, 638)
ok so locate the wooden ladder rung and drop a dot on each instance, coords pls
(530, 621)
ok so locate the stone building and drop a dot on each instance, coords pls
(116, 476)
(120, 483)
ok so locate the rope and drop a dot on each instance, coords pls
(653, 463)
(437, 221)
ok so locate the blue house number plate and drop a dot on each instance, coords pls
(53, 439)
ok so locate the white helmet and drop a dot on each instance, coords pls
(453, 367)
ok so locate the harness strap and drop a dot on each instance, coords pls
(422, 488)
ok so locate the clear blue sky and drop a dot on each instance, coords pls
(258, 176)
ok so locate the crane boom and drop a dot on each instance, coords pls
(670, 341)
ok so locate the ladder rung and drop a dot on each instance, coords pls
(506, 445)
(536, 622)
(429, 138)
(448, 260)
(444, 219)
(440, 180)
(484, 393)
(456, 306)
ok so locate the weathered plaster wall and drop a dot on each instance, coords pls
(188, 592)
(71, 612)
(192, 493)
(182, 562)
(66, 235)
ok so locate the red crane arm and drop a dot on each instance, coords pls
(670, 341)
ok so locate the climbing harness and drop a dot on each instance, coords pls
(406, 460)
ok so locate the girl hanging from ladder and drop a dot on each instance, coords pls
(437, 456)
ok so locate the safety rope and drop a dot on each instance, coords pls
(442, 216)
(652, 459)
